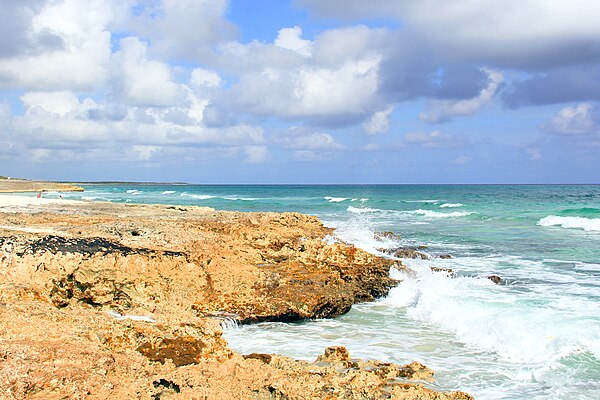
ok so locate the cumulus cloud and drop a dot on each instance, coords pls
(308, 145)
(16, 20)
(379, 122)
(291, 39)
(201, 77)
(305, 139)
(581, 119)
(75, 53)
(444, 110)
(185, 29)
(296, 83)
(144, 82)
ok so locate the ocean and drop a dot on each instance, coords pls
(534, 336)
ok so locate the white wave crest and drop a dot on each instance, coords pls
(483, 315)
(241, 198)
(362, 210)
(336, 199)
(436, 214)
(451, 205)
(168, 192)
(198, 196)
(587, 224)
(421, 201)
(134, 191)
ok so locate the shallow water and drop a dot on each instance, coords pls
(536, 336)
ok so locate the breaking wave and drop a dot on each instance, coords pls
(451, 205)
(587, 224)
(437, 214)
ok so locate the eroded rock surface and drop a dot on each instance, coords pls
(119, 301)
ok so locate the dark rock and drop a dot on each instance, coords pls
(416, 370)
(181, 350)
(86, 246)
(495, 278)
(380, 236)
(266, 358)
(449, 271)
(408, 252)
(446, 256)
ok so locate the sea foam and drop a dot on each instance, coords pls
(336, 199)
(363, 210)
(436, 214)
(451, 205)
(587, 224)
(487, 317)
(198, 196)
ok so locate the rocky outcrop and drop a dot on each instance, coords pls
(119, 301)
(408, 252)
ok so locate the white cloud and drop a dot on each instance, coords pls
(142, 152)
(379, 122)
(203, 77)
(444, 110)
(298, 139)
(59, 121)
(61, 102)
(256, 154)
(184, 29)
(291, 39)
(311, 86)
(144, 82)
(534, 153)
(80, 58)
(581, 119)
(435, 139)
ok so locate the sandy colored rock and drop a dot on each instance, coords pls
(23, 185)
(119, 301)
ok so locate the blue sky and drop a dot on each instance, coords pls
(302, 91)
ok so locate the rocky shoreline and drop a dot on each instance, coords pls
(102, 300)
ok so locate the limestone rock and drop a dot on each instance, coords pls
(119, 301)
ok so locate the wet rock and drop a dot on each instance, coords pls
(416, 371)
(449, 271)
(381, 236)
(495, 278)
(445, 256)
(408, 252)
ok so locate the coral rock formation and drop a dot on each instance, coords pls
(119, 301)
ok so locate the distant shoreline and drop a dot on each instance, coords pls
(27, 186)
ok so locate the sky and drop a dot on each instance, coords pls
(301, 91)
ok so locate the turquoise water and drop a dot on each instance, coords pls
(536, 336)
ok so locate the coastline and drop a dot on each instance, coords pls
(171, 274)
(25, 186)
